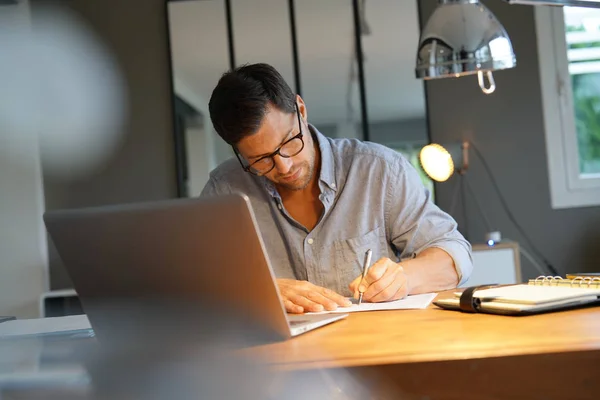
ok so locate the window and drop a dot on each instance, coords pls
(569, 56)
(411, 152)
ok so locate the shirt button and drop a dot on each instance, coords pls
(310, 241)
(279, 206)
(333, 185)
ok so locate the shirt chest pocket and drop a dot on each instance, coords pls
(350, 255)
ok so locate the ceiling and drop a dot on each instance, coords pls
(325, 34)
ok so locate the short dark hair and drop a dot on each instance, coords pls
(239, 101)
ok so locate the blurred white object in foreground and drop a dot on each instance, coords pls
(61, 83)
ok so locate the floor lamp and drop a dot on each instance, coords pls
(441, 162)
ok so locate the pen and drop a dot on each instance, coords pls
(365, 268)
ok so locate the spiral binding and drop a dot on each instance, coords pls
(580, 282)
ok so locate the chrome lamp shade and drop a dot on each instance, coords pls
(463, 37)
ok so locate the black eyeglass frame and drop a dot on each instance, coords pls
(248, 168)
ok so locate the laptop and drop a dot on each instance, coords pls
(204, 253)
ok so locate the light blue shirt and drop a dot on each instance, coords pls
(373, 198)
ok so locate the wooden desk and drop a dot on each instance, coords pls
(446, 354)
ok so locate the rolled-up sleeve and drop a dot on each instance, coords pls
(415, 223)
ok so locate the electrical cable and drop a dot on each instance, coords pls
(509, 213)
(463, 199)
(486, 221)
(454, 197)
(531, 259)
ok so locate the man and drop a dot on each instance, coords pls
(321, 203)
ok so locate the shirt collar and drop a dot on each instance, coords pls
(270, 188)
(327, 174)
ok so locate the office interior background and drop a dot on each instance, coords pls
(162, 60)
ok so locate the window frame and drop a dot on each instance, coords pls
(568, 188)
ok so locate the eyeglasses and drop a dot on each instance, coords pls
(288, 149)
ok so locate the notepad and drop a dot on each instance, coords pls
(45, 326)
(538, 295)
(525, 294)
(418, 301)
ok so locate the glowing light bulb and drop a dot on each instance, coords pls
(437, 162)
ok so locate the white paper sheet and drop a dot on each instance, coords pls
(44, 326)
(418, 301)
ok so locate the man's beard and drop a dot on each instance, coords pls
(301, 183)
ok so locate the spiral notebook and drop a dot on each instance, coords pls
(543, 294)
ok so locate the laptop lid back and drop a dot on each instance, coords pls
(174, 260)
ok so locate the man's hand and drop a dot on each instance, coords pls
(302, 296)
(385, 281)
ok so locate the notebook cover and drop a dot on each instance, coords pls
(516, 309)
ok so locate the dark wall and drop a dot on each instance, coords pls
(143, 168)
(508, 128)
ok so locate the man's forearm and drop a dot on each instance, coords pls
(432, 270)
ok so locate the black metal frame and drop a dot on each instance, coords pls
(230, 40)
(297, 69)
(422, 23)
(294, 38)
(180, 172)
(361, 70)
